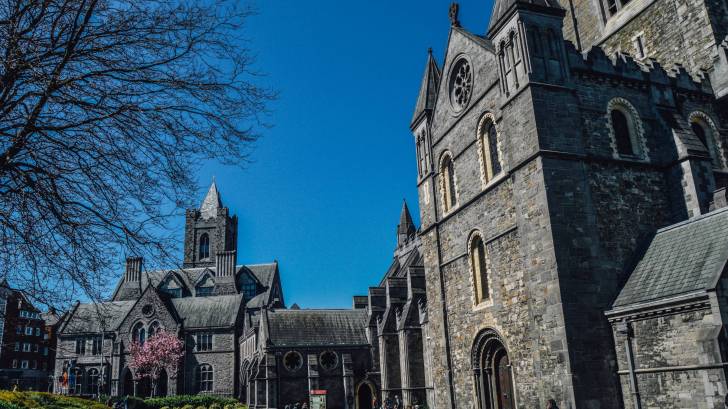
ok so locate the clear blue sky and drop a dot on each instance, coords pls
(325, 190)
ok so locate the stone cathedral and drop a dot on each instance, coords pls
(572, 189)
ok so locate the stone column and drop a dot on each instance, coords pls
(313, 372)
(404, 367)
(348, 380)
(271, 380)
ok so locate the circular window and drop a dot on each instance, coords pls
(461, 84)
(293, 361)
(148, 310)
(329, 360)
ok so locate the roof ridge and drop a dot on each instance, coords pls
(692, 220)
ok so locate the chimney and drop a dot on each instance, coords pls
(133, 269)
(225, 263)
(720, 199)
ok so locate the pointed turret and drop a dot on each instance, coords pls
(428, 89)
(211, 203)
(210, 230)
(405, 228)
(502, 9)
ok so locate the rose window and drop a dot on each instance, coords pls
(461, 84)
(293, 361)
(329, 360)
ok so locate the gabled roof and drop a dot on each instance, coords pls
(87, 318)
(263, 273)
(680, 259)
(303, 328)
(502, 8)
(211, 203)
(428, 88)
(206, 312)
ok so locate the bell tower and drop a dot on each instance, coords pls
(209, 230)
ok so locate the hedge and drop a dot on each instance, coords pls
(33, 400)
(194, 401)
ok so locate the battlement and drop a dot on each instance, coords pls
(623, 66)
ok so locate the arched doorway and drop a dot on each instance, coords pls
(161, 384)
(127, 384)
(492, 371)
(364, 395)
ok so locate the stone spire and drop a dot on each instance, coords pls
(428, 88)
(405, 228)
(211, 203)
(502, 9)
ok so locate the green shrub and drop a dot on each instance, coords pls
(188, 406)
(200, 407)
(32, 400)
(215, 406)
(192, 400)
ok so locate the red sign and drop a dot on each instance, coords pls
(318, 392)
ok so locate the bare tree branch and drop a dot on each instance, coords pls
(107, 107)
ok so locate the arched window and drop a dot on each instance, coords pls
(704, 129)
(93, 381)
(625, 129)
(204, 246)
(153, 329)
(204, 378)
(488, 144)
(622, 135)
(447, 173)
(534, 38)
(479, 267)
(139, 333)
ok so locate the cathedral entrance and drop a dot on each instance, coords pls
(364, 395)
(493, 372)
(161, 384)
(127, 384)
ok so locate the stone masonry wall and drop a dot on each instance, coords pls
(674, 32)
(675, 339)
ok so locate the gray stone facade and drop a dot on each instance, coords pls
(561, 195)
(202, 303)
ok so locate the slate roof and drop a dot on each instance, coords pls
(86, 317)
(206, 312)
(502, 7)
(428, 88)
(680, 259)
(303, 328)
(211, 202)
(263, 273)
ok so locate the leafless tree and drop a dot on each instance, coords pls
(106, 109)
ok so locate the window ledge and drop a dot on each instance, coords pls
(487, 303)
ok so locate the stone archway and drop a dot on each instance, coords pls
(162, 384)
(365, 393)
(492, 371)
(127, 383)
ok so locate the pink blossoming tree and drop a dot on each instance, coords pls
(163, 351)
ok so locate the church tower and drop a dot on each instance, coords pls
(209, 230)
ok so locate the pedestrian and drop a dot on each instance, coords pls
(551, 404)
(15, 387)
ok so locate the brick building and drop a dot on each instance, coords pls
(550, 150)
(27, 342)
